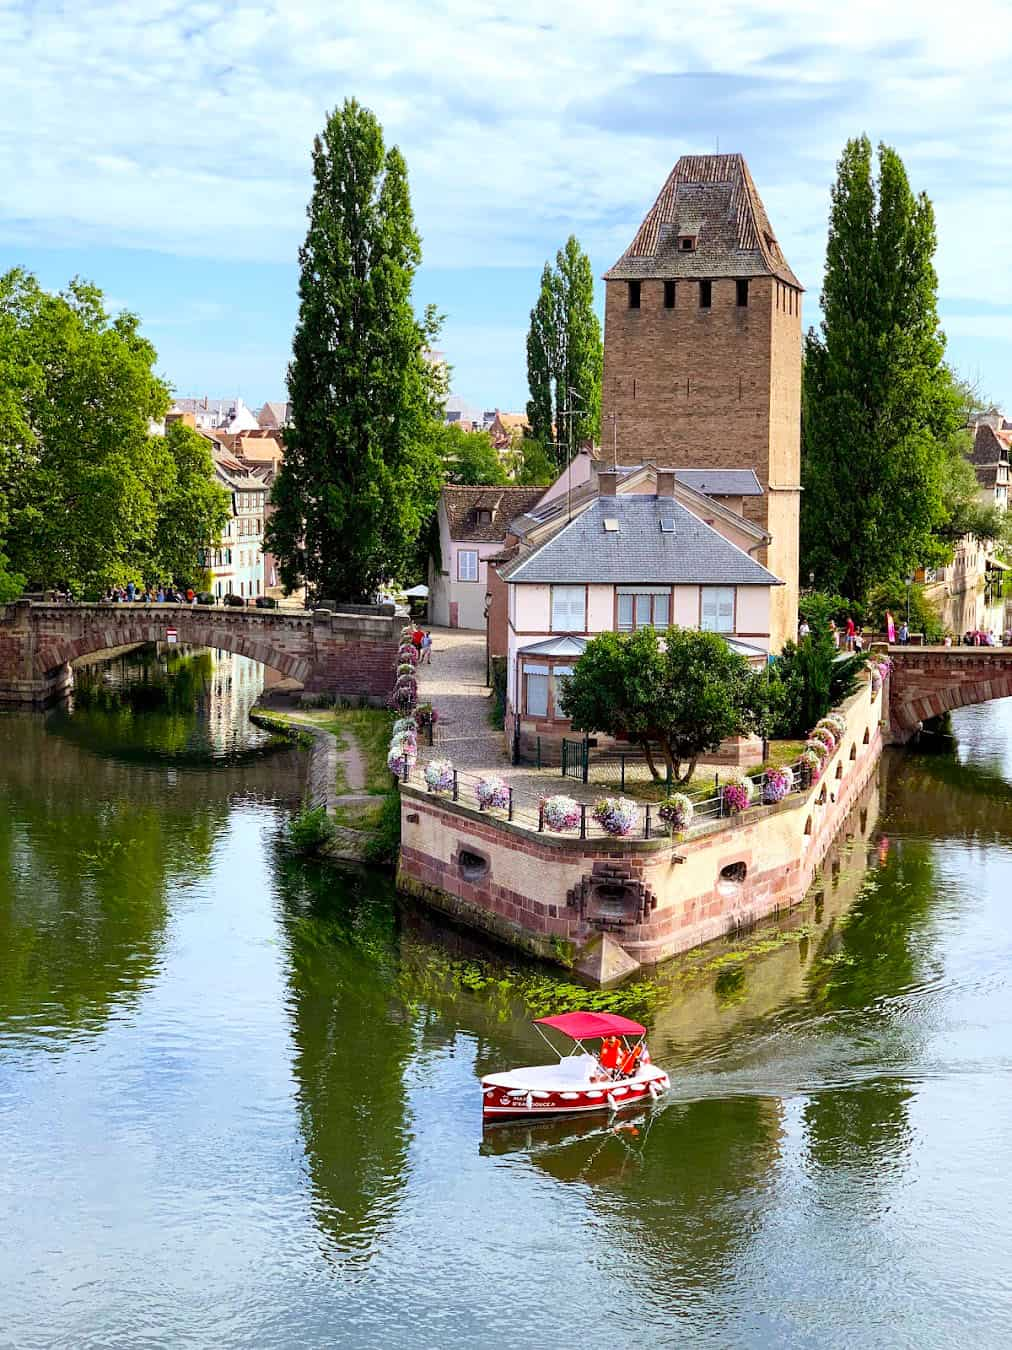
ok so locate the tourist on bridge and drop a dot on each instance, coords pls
(890, 627)
(851, 633)
(425, 658)
(131, 588)
(904, 634)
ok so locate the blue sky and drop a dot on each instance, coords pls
(161, 148)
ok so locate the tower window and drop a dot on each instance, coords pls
(742, 292)
(705, 294)
(634, 295)
(669, 293)
(686, 243)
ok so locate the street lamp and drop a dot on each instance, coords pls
(488, 641)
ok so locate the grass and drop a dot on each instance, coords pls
(369, 728)
(359, 815)
(645, 790)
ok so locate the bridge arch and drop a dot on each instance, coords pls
(342, 655)
(929, 682)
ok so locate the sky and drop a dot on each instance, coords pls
(161, 148)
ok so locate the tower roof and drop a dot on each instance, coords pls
(712, 202)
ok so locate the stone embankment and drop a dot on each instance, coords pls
(608, 905)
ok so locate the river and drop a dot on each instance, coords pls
(238, 1098)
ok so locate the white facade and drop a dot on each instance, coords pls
(237, 562)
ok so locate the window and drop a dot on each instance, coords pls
(634, 294)
(569, 609)
(741, 288)
(536, 690)
(705, 294)
(643, 609)
(686, 243)
(484, 516)
(467, 564)
(669, 293)
(716, 609)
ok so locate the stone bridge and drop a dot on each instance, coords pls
(344, 654)
(929, 681)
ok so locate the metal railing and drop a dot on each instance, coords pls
(527, 810)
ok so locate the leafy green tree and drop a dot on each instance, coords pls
(811, 676)
(468, 456)
(565, 354)
(535, 468)
(193, 509)
(361, 468)
(878, 404)
(683, 690)
(82, 473)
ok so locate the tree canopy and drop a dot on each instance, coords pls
(468, 457)
(565, 354)
(361, 468)
(880, 408)
(682, 690)
(88, 496)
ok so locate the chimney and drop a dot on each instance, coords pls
(665, 482)
(607, 480)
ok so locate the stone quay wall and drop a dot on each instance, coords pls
(554, 895)
(341, 655)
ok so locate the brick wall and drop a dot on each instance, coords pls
(715, 388)
(927, 683)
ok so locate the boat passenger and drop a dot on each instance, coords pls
(630, 1061)
(611, 1053)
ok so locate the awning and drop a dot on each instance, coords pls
(556, 646)
(417, 593)
(591, 1026)
(995, 565)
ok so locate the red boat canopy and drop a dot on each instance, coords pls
(589, 1026)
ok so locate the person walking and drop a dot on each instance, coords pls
(851, 633)
(904, 633)
(890, 627)
(426, 652)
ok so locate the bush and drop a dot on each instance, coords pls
(616, 815)
(206, 598)
(677, 812)
(560, 813)
(492, 793)
(925, 616)
(310, 829)
(265, 602)
(386, 836)
(439, 775)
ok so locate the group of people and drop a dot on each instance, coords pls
(616, 1059)
(979, 638)
(422, 643)
(851, 638)
(149, 595)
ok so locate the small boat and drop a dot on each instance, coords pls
(616, 1075)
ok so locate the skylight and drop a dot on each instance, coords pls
(667, 524)
(610, 525)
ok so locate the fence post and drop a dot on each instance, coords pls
(586, 759)
(621, 760)
(583, 820)
(407, 770)
(456, 792)
(510, 812)
(431, 730)
(541, 817)
(667, 780)
(539, 752)
(646, 828)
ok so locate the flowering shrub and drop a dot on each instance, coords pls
(407, 654)
(439, 775)
(404, 740)
(677, 812)
(400, 761)
(820, 747)
(405, 724)
(616, 815)
(814, 762)
(776, 785)
(824, 735)
(403, 699)
(405, 668)
(837, 724)
(492, 793)
(736, 791)
(560, 813)
(426, 716)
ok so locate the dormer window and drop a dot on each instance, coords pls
(484, 516)
(686, 243)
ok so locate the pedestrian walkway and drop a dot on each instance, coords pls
(454, 683)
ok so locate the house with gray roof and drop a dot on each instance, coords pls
(647, 552)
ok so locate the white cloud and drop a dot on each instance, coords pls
(187, 127)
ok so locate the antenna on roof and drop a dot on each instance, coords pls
(718, 145)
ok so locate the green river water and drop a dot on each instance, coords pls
(238, 1102)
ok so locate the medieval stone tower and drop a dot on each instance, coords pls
(702, 352)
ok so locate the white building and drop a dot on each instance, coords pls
(237, 562)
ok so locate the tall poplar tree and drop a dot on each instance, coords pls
(565, 354)
(879, 406)
(361, 468)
